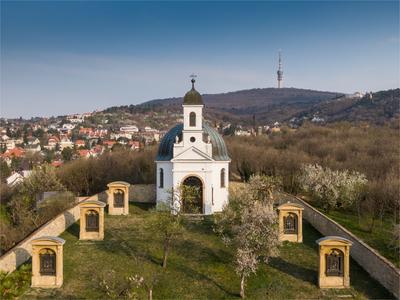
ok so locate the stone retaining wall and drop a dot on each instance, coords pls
(142, 193)
(368, 258)
(138, 193)
(20, 253)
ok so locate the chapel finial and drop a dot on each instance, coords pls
(193, 76)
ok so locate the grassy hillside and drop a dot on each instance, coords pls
(199, 266)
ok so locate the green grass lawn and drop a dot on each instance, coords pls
(380, 238)
(199, 266)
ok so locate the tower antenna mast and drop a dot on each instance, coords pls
(280, 71)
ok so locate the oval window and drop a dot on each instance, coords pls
(192, 139)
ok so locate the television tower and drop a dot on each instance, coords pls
(280, 72)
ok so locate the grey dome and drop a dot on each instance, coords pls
(165, 150)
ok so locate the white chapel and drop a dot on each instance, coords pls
(194, 154)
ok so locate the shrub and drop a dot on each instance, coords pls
(13, 285)
(90, 176)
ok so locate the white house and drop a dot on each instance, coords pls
(14, 179)
(194, 154)
(17, 178)
(9, 144)
(68, 126)
(33, 148)
(66, 143)
(129, 129)
(33, 140)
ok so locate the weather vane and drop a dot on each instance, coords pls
(193, 76)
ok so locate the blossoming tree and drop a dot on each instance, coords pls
(249, 225)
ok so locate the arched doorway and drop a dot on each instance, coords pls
(192, 195)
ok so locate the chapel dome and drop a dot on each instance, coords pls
(219, 151)
(192, 97)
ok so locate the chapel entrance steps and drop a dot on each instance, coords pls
(194, 217)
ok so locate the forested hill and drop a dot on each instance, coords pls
(267, 104)
(378, 108)
(271, 104)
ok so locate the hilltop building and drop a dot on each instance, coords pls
(194, 154)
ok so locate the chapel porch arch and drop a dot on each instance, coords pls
(193, 196)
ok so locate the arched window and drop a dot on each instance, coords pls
(223, 178)
(334, 263)
(161, 178)
(119, 196)
(192, 119)
(47, 258)
(290, 224)
(92, 221)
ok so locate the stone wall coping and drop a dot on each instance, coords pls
(353, 236)
(333, 238)
(92, 203)
(289, 204)
(53, 239)
(118, 183)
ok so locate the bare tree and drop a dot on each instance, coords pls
(167, 217)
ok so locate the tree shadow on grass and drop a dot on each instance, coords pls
(299, 272)
(200, 254)
(142, 206)
(74, 230)
(203, 225)
(310, 235)
(196, 275)
(196, 250)
(116, 244)
(361, 281)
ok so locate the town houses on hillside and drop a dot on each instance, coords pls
(25, 144)
(57, 140)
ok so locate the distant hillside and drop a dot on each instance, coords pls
(378, 108)
(268, 105)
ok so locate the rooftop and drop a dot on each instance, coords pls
(192, 97)
(165, 149)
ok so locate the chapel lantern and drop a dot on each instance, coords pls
(47, 262)
(334, 262)
(290, 222)
(118, 198)
(91, 220)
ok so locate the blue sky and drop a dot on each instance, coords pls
(77, 56)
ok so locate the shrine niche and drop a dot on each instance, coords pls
(334, 262)
(291, 222)
(91, 220)
(47, 262)
(118, 198)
